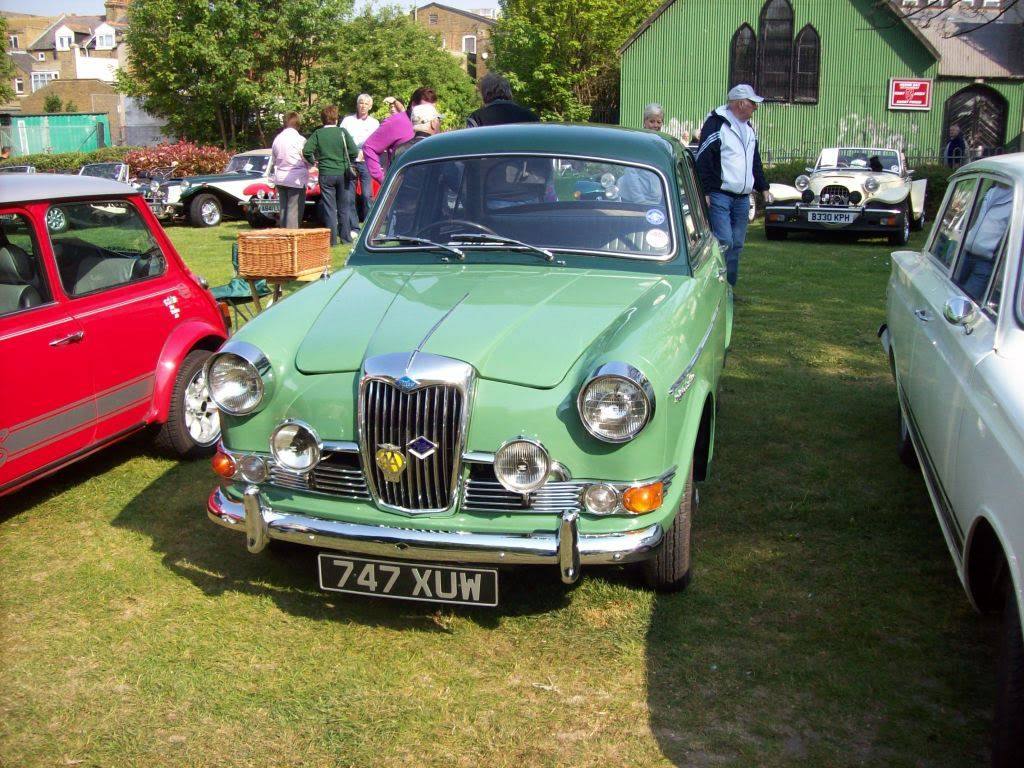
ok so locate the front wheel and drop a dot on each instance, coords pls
(669, 571)
(204, 210)
(193, 422)
(902, 235)
(1008, 725)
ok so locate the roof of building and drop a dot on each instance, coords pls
(43, 187)
(82, 26)
(23, 61)
(459, 11)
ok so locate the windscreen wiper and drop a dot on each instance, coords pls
(479, 237)
(418, 241)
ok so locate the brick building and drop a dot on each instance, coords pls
(465, 34)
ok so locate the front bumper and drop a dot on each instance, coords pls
(567, 548)
(796, 218)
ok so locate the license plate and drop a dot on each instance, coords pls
(831, 217)
(423, 582)
(269, 207)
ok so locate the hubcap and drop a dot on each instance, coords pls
(202, 419)
(210, 213)
(55, 219)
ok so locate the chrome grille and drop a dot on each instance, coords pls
(834, 194)
(492, 496)
(393, 417)
(338, 474)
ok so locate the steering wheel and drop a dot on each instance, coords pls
(451, 225)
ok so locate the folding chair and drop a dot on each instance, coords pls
(237, 294)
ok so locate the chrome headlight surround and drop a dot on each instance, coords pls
(871, 184)
(513, 449)
(802, 182)
(634, 382)
(285, 435)
(253, 364)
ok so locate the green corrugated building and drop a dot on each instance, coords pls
(826, 66)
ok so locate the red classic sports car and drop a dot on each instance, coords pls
(103, 329)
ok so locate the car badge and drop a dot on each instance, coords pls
(422, 448)
(391, 462)
(407, 383)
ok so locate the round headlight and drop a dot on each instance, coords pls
(186, 184)
(261, 193)
(295, 446)
(235, 385)
(601, 499)
(871, 184)
(802, 183)
(154, 185)
(522, 465)
(607, 180)
(253, 469)
(616, 403)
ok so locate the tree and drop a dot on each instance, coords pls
(70, 106)
(386, 53)
(6, 66)
(562, 57)
(52, 103)
(963, 21)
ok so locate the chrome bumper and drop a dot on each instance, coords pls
(567, 548)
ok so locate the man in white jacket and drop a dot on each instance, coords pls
(729, 166)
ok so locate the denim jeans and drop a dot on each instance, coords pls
(334, 207)
(729, 221)
(293, 203)
(365, 195)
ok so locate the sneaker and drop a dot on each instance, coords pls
(354, 233)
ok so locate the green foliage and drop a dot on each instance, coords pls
(70, 107)
(52, 103)
(6, 65)
(562, 57)
(386, 53)
(69, 162)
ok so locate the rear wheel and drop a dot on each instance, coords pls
(204, 210)
(669, 571)
(774, 233)
(1008, 725)
(193, 422)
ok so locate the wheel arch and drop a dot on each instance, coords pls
(986, 567)
(186, 337)
(704, 444)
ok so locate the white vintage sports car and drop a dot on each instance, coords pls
(853, 189)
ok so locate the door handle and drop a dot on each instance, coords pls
(923, 315)
(71, 338)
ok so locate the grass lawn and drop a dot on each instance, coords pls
(825, 625)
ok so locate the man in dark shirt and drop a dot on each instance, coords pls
(498, 107)
(955, 151)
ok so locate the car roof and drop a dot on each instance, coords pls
(1008, 165)
(253, 152)
(36, 187)
(566, 139)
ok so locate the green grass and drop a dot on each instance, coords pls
(825, 625)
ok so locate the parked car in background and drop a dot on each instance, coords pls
(112, 171)
(262, 206)
(103, 329)
(503, 375)
(954, 335)
(17, 169)
(868, 191)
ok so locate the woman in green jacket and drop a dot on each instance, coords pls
(332, 149)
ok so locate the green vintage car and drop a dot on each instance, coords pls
(507, 373)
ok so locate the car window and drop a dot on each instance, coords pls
(247, 164)
(950, 228)
(23, 281)
(102, 245)
(985, 238)
(687, 204)
(542, 201)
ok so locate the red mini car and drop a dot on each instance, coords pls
(103, 329)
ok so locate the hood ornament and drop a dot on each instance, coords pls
(445, 316)
(407, 383)
(422, 447)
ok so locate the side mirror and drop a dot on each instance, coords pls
(808, 170)
(959, 311)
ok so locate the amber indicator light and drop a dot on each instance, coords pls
(223, 464)
(644, 498)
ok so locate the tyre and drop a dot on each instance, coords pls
(918, 223)
(193, 423)
(773, 233)
(669, 571)
(905, 446)
(256, 219)
(902, 235)
(204, 210)
(1008, 723)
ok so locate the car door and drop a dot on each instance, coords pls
(119, 289)
(47, 411)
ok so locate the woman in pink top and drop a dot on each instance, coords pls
(395, 130)
(291, 172)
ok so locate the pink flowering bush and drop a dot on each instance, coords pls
(192, 159)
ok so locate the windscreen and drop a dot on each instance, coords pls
(247, 164)
(553, 203)
(853, 158)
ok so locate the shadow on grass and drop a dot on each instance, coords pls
(171, 511)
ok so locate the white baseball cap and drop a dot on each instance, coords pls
(743, 91)
(424, 114)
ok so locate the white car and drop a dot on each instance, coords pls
(865, 190)
(955, 340)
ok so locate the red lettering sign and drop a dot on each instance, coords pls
(910, 93)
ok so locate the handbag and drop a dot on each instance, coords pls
(350, 172)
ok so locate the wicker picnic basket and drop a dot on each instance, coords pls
(283, 252)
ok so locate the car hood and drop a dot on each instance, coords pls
(516, 324)
(217, 178)
(852, 180)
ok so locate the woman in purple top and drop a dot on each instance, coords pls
(395, 130)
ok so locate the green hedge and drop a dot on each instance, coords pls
(68, 162)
